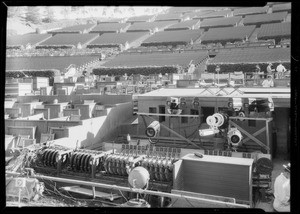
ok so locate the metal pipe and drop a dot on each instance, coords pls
(108, 186)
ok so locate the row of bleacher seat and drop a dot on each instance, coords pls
(107, 52)
(252, 55)
(221, 80)
(192, 12)
(227, 34)
(239, 33)
(206, 21)
(237, 79)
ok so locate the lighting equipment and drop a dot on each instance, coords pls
(234, 137)
(153, 129)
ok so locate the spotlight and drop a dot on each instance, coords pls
(234, 137)
(153, 129)
(208, 132)
(217, 120)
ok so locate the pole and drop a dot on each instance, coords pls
(121, 188)
(19, 200)
(94, 192)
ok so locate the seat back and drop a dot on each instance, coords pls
(237, 78)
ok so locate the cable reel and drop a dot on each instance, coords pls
(264, 166)
(217, 120)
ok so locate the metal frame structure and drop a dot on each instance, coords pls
(253, 136)
(129, 189)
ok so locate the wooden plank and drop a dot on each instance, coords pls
(250, 118)
(155, 138)
(254, 134)
(267, 136)
(167, 115)
(212, 197)
(177, 175)
(218, 177)
(22, 130)
(250, 136)
(175, 133)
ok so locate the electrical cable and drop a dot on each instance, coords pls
(123, 195)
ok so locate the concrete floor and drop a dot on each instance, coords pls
(277, 169)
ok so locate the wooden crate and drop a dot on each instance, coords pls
(39, 82)
(45, 111)
(69, 112)
(22, 130)
(215, 175)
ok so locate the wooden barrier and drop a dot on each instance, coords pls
(44, 111)
(22, 130)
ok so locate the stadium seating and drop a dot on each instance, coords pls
(186, 25)
(269, 31)
(252, 55)
(221, 80)
(109, 39)
(169, 17)
(183, 10)
(68, 40)
(197, 15)
(156, 59)
(216, 14)
(110, 20)
(228, 34)
(265, 18)
(250, 10)
(85, 28)
(145, 18)
(46, 63)
(207, 79)
(236, 79)
(23, 40)
(150, 26)
(220, 22)
(110, 28)
(61, 52)
(281, 7)
(173, 37)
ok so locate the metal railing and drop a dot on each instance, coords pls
(129, 189)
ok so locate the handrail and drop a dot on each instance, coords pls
(122, 188)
